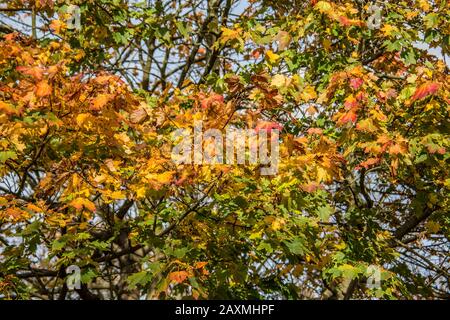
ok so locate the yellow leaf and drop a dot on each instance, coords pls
(81, 118)
(424, 5)
(279, 81)
(309, 93)
(117, 195)
(138, 115)
(283, 39)
(277, 224)
(272, 57)
(6, 108)
(388, 29)
(323, 6)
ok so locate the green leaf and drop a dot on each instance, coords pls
(324, 213)
(141, 278)
(59, 244)
(296, 246)
(88, 275)
(5, 155)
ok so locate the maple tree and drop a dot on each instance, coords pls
(87, 179)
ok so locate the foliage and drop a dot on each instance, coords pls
(85, 150)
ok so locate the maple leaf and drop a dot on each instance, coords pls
(35, 72)
(229, 34)
(199, 265)
(317, 131)
(79, 203)
(138, 115)
(309, 93)
(57, 25)
(283, 39)
(279, 81)
(310, 187)
(43, 89)
(355, 83)
(388, 29)
(100, 101)
(366, 125)
(323, 6)
(268, 126)
(272, 57)
(348, 117)
(213, 99)
(397, 149)
(344, 21)
(368, 163)
(178, 276)
(425, 90)
(350, 102)
(7, 109)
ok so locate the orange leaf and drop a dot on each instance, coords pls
(317, 131)
(397, 149)
(178, 276)
(99, 102)
(34, 72)
(43, 89)
(348, 117)
(79, 203)
(200, 265)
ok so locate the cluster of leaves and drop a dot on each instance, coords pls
(87, 179)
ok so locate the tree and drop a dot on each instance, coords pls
(88, 179)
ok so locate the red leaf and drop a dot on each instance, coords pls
(425, 90)
(355, 83)
(348, 117)
(268, 126)
(212, 100)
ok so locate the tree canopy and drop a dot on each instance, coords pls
(87, 178)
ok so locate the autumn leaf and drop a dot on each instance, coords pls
(43, 89)
(272, 57)
(99, 102)
(323, 6)
(355, 83)
(178, 276)
(199, 265)
(350, 116)
(426, 89)
(317, 131)
(138, 115)
(35, 72)
(79, 203)
(267, 126)
(283, 39)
